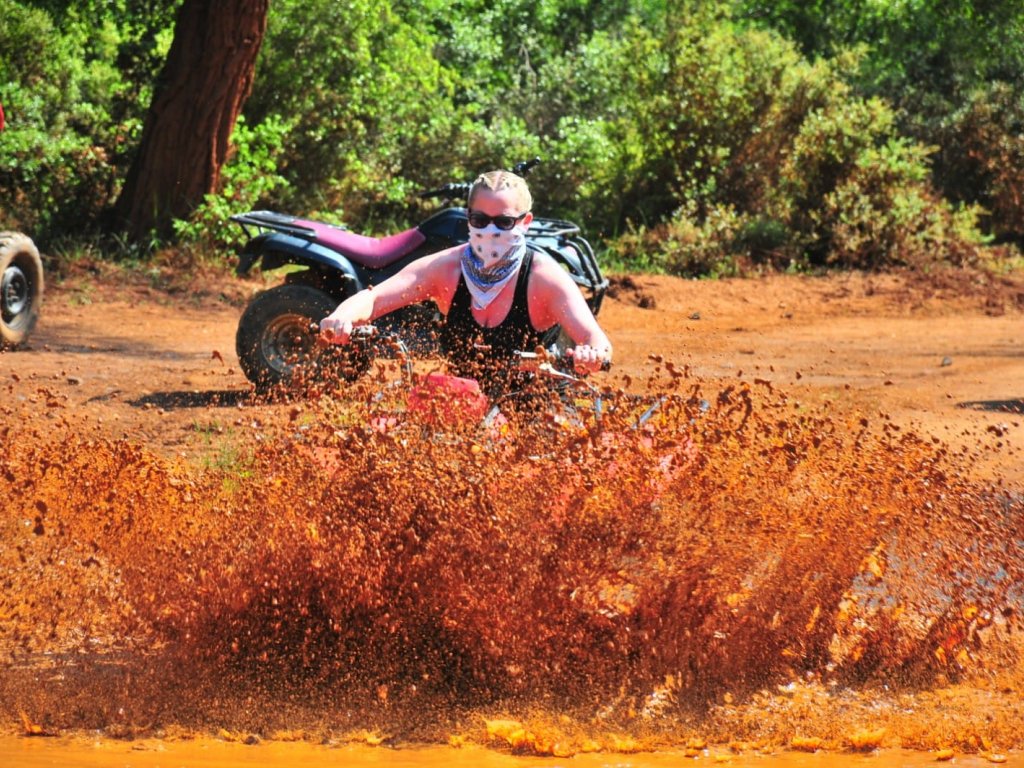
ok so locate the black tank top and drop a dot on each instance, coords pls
(486, 354)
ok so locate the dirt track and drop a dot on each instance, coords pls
(942, 355)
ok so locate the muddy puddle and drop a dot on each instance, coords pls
(741, 580)
(203, 752)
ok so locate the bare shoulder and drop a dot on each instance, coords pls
(447, 258)
(438, 274)
(440, 267)
(555, 298)
(452, 256)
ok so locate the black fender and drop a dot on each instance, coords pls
(273, 250)
(577, 257)
(450, 225)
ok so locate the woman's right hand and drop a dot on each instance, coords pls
(336, 330)
(354, 311)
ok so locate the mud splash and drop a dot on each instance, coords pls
(739, 570)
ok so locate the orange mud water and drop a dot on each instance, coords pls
(745, 580)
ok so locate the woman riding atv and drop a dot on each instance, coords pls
(497, 295)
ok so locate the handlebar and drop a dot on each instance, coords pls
(364, 334)
(524, 167)
(460, 190)
(541, 362)
(359, 333)
(558, 367)
(448, 191)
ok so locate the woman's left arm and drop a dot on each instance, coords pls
(555, 299)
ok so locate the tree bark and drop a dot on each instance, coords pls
(185, 139)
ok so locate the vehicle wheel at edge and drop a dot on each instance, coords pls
(276, 346)
(21, 288)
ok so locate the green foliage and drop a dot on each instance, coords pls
(371, 107)
(695, 136)
(71, 108)
(882, 215)
(938, 64)
(686, 244)
(247, 182)
(981, 157)
(53, 176)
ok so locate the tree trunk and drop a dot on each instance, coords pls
(204, 83)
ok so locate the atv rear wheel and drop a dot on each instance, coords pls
(21, 288)
(277, 348)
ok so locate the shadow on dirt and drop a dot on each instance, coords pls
(172, 401)
(1003, 406)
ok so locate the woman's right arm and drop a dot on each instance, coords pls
(422, 280)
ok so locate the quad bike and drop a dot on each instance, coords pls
(21, 288)
(438, 407)
(329, 263)
(544, 377)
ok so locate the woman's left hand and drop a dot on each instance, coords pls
(587, 359)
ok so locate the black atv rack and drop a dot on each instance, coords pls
(561, 239)
(271, 220)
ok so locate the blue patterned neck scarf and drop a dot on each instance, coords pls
(490, 260)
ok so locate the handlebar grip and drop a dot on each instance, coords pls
(524, 167)
(606, 365)
(448, 190)
(359, 333)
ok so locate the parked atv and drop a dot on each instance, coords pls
(21, 288)
(330, 263)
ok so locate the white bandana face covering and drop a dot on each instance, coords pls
(491, 260)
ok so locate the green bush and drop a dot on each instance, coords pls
(691, 139)
(685, 245)
(982, 157)
(882, 214)
(370, 106)
(952, 71)
(60, 150)
(247, 182)
(810, 173)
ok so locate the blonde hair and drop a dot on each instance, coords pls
(499, 181)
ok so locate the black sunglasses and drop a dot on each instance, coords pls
(481, 220)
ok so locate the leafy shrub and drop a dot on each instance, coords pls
(811, 173)
(684, 245)
(695, 141)
(884, 213)
(369, 104)
(764, 240)
(57, 86)
(51, 185)
(982, 157)
(246, 183)
(951, 70)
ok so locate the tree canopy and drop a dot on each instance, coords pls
(693, 136)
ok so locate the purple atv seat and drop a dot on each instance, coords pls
(373, 252)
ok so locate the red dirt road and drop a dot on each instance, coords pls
(942, 355)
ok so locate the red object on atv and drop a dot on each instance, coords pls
(448, 401)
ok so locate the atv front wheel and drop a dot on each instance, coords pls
(277, 348)
(21, 288)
